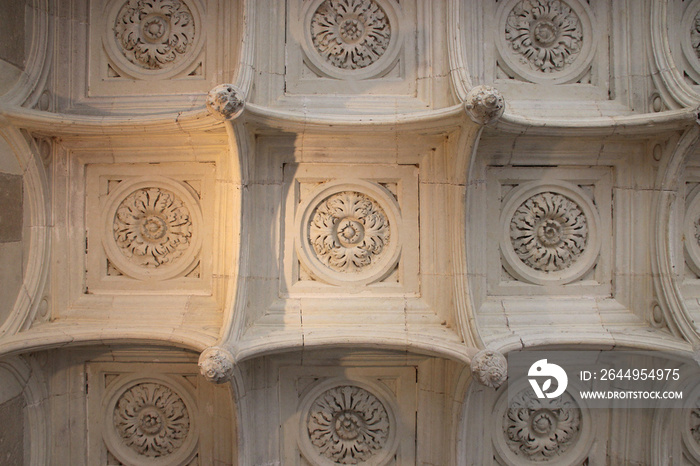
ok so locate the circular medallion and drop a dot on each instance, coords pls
(349, 232)
(540, 429)
(546, 41)
(549, 430)
(152, 228)
(156, 38)
(690, 38)
(347, 422)
(550, 233)
(691, 232)
(352, 39)
(149, 421)
(691, 425)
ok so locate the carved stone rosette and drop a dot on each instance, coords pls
(489, 368)
(352, 39)
(349, 233)
(484, 105)
(225, 102)
(216, 364)
(691, 232)
(150, 421)
(694, 424)
(153, 38)
(347, 422)
(690, 38)
(691, 428)
(540, 430)
(546, 41)
(152, 228)
(550, 233)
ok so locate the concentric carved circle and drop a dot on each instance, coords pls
(152, 228)
(347, 422)
(349, 232)
(352, 39)
(153, 37)
(546, 41)
(350, 34)
(539, 429)
(691, 425)
(695, 35)
(691, 232)
(533, 430)
(690, 37)
(149, 420)
(550, 233)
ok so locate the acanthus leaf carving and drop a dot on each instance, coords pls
(540, 430)
(152, 227)
(349, 231)
(350, 34)
(154, 34)
(695, 35)
(694, 424)
(549, 232)
(348, 425)
(151, 419)
(547, 35)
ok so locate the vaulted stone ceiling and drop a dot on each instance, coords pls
(347, 213)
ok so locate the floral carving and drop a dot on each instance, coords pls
(490, 368)
(695, 35)
(348, 425)
(484, 104)
(541, 429)
(694, 424)
(350, 34)
(225, 102)
(154, 33)
(216, 364)
(151, 419)
(546, 34)
(349, 231)
(549, 232)
(152, 227)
